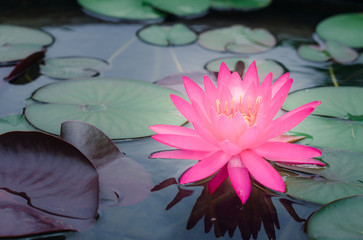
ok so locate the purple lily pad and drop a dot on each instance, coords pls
(46, 185)
(123, 181)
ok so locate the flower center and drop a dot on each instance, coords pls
(246, 108)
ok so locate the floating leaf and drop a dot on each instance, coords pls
(339, 102)
(237, 38)
(332, 133)
(128, 181)
(264, 66)
(331, 50)
(181, 8)
(73, 67)
(341, 177)
(120, 108)
(341, 219)
(177, 34)
(345, 28)
(240, 4)
(121, 9)
(14, 122)
(43, 176)
(18, 42)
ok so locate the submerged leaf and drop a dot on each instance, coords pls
(118, 174)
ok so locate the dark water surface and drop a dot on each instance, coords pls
(276, 215)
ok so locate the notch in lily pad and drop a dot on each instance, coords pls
(73, 67)
(237, 39)
(19, 42)
(177, 34)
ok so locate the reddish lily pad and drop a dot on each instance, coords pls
(238, 39)
(123, 181)
(42, 175)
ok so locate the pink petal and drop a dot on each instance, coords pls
(223, 75)
(217, 180)
(279, 83)
(171, 129)
(303, 161)
(230, 148)
(195, 93)
(240, 178)
(251, 76)
(249, 137)
(266, 85)
(194, 143)
(287, 138)
(277, 151)
(205, 167)
(181, 154)
(185, 108)
(262, 171)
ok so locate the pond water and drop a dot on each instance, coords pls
(267, 215)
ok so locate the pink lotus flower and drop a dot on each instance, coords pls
(235, 131)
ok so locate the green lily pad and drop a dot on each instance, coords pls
(342, 177)
(181, 8)
(341, 102)
(341, 219)
(345, 28)
(14, 122)
(240, 4)
(121, 9)
(238, 39)
(332, 133)
(18, 42)
(177, 34)
(264, 66)
(73, 67)
(332, 50)
(120, 108)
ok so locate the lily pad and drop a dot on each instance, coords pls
(342, 177)
(332, 133)
(123, 181)
(14, 122)
(341, 219)
(331, 50)
(181, 8)
(46, 184)
(121, 9)
(18, 42)
(246, 5)
(120, 108)
(73, 67)
(238, 39)
(345, 28)
(341, 102)
(264, 66)
(177, 34)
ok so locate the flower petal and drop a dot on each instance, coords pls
(249, 137)
(223, 75)
(195, 93)
(181, 154)
(240, 178)
(171, 129)
(277, 151)
(251, 76)
(205, 167)
(194, 143)
(262, 171)
(287, 138)
(230, 148)
(303, 161)
(184, 107)
(279, 83)
(217, 180)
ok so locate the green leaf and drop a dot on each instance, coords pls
(177, 34)
(341, 219)
(73, 67)
(312, 53)
(263, 66)
(341, 177)
(345, 28)
(18, 42)
(122, 9)
(14, 122)
(237, 38)
(240, 4)
(336, 101)
(340, 53)
(181, 8)
(120, 108)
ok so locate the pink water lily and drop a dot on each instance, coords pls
(235, 130)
